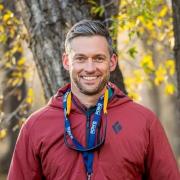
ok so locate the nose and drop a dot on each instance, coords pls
(90, 66)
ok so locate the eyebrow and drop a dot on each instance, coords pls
(80, 54)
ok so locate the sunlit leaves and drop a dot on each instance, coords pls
(132, 51)
(21, 61)
(12, 60)
(96, 9)
(133, 83)
(14, 65)
(1, 7)
(3, 38)
(147, 64)
(160, 75)
(163, 11)
(30, 95)
(9, 24)
(3, 133)
(138, 18)
(170, 66)
(169, 89)
(7, 16)
(150, 21)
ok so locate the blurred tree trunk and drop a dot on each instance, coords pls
(176, 23)
(47, 22)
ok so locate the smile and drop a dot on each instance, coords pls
(89, 78)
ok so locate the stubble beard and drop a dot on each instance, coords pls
(94, 91)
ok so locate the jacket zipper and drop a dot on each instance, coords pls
(87, 127)
(88, 120)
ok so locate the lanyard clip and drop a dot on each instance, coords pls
(89, 176)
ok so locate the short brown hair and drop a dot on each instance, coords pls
(89, 28)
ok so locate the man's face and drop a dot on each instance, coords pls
(89, 64)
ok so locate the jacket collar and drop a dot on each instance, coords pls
(117, 99)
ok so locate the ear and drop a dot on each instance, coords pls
(65, 60)
(113, 62)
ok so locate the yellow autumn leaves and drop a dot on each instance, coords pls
(134, 81)
(30, 96)
(151, 22)
(3, 133)
(147, 64)
(14, 65)
(162, 72)
(149, 72)
(9, 24)
(10, 38)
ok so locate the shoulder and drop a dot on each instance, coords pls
(142, 110)
(121, 102)
(43, 118)
(133, 112)
(145, 113)
(36, 116)
(46, 123)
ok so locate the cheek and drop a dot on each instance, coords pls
(75, 68)
(105, 68)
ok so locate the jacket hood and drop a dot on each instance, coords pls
(118, 98)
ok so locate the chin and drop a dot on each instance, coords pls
(89, 91)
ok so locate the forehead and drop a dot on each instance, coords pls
(89, 45)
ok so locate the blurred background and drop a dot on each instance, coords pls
(145, 35)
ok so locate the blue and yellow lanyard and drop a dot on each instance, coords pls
(88, 155)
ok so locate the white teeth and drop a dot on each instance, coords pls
(89, 78)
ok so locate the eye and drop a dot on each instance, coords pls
(99, 59)
(80, 59)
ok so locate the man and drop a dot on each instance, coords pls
(90, 129)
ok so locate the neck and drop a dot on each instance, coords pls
(87, 100)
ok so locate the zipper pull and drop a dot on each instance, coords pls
(89, 176)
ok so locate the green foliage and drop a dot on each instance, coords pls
(132, 52)
(96, 9)
(150, 21)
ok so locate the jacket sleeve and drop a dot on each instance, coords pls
(160, 162)
(25, 164)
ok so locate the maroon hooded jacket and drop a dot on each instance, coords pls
(136, 147)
